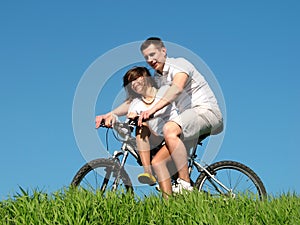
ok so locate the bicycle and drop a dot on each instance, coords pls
(223, 178)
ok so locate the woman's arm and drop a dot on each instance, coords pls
(110, 117)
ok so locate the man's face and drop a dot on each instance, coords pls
(155, 57)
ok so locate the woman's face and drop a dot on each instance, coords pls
(139, 85)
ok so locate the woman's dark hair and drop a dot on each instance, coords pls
(152, 40)
(132, 75)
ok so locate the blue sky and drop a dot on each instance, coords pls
(46, 47)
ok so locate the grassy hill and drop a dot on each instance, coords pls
(80, 207)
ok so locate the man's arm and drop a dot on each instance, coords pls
(110, 117)
(171, 94)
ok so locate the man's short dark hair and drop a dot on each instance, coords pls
(152, 40)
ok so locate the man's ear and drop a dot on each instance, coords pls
(164, 50)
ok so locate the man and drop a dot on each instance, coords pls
(197, 106)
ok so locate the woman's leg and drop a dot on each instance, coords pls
(159, 164)
(143, 146)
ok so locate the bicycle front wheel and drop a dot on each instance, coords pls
(102, 175)
(231, 179)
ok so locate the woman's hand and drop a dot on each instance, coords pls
(132, 115)
(109, 119)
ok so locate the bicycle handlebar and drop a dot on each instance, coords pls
(130, 121)
(125, 128)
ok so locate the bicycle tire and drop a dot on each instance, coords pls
(99, 175)
(239, 178)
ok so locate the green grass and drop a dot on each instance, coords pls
(81, 207)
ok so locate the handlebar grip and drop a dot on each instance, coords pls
(102, 124)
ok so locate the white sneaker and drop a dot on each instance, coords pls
(174, 185)
(181, 185)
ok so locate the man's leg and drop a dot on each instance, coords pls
(177, 149)
(187, 127)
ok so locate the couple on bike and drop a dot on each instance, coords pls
(182, 105)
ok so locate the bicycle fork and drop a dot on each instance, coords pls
(121, 166)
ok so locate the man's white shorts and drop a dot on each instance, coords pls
(198, 121)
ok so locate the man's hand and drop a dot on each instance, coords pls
(109, 119)
(145, 116)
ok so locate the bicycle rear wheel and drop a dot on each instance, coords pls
(102, 175)
(238, 179)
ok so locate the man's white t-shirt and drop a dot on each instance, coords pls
(196, 91)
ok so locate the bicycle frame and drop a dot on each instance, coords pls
(200, 168)
(129, 148)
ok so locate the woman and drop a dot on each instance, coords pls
(142, 92)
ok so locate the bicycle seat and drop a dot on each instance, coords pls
(202, 137)
(213, 132)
